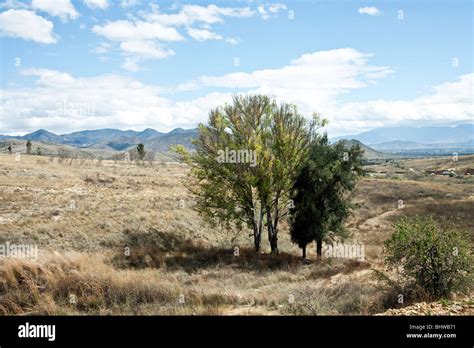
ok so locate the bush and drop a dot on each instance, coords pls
(435, 258)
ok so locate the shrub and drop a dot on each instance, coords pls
(28, 147)
(427, 255)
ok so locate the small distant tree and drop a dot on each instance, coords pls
(9, 148)
(141, 151)
(28, 146)
(438, 259)
(117, 157)
(322, 193)
(150, 157)
(63, 155)
(38, 151)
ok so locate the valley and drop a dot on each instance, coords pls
(122, 238)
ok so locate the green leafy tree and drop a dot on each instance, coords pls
(9, 148)
(322, 193)
(141, 151)
(242, 194)
(285, 150)
(38, 151)
(28, 146)
(434, 257)
(227, 193)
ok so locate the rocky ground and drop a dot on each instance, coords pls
(460, 307)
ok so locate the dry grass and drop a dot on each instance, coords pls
(117, 238)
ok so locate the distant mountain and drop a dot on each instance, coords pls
(176, 136)
(88, 138)
(369, 153)
(43, 136)
(113, 139)
(377, 143)
(422, 135)
(150, 133)
(396, 146)
(177, 131)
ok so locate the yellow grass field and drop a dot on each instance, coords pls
(117, 238)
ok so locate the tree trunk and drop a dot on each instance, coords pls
(319, 248)
(257, 232)
(272, 236)
(256, 238)
(275, 226)
(274, 243)
(304, 252)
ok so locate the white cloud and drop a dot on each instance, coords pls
(123, 30)
(233, 40)
(370, 10)
(63, 9)
(102, 48)
(130, 64)
(117, 101)
(275, 8)
(263, 12)
(450, 101)
(205, 16)
(314, 81)
(155, 27)
(14, 4)
(268, 10)
(139, 40)
(189, 14)
(203, 34)
(100, 4)
(129, 3)
(145, 49)
(26, 25)
(49, 78)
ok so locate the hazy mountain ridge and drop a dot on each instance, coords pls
(418, 141)
(411, 145)
(113, 139)
(377, 143)
(422, 135)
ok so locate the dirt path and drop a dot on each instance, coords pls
(249, 310)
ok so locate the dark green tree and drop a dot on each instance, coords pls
(9, 148)
(28, 146)
(141, 151)
(322, 193)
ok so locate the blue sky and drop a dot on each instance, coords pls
(131, 64)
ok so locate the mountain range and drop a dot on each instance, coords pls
(406, 140)
(377, 143)
(113, 139)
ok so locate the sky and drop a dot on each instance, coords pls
(69, 65)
